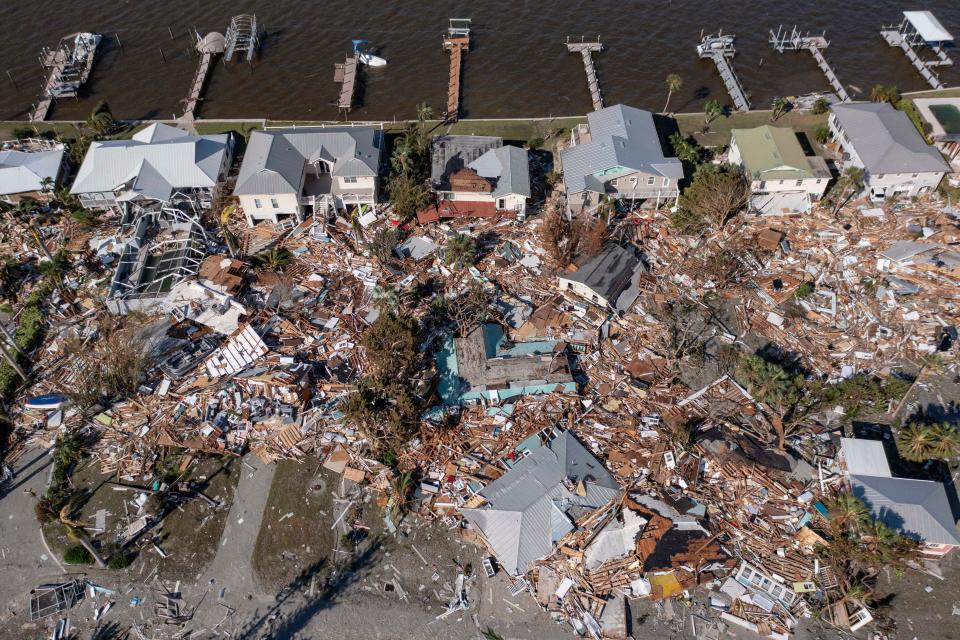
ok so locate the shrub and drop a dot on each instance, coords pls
(820, 106)
(805, 290)
(77, 555)
(120, 560)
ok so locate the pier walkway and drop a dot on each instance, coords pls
(457, 42)
(213, 44)
(895, 38)
(346, 74)
(917, 30)
(67, 73)
(793, 41)
(720, 49)
(587, 49)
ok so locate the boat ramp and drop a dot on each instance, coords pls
(719, 48)
(794, 41)
(921, 30)
(69, 64)
(586, 50)
(457, 42)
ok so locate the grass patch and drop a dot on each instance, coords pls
(286, 547)
(691, 124)
(77, 555)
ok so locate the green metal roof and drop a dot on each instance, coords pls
(772, 153)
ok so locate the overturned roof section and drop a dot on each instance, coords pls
(23, 171)
(529, 504)
(158, 160)
(886, 140)
(275, 160)
(620, 137)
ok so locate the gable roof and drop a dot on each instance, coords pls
(157, 159)
(23, 171)
(772, 153)
(886, 140)
(508, 168)
(620, 136)
(607, 273)
(275, 160)
(528, 504)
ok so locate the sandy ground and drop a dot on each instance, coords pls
(390, 587)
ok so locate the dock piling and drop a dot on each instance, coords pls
(782, 41)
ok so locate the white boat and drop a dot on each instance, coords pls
(365, 57)
(85, 43)
(372, 61)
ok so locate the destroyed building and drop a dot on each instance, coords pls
(535, 504)
(609, 280)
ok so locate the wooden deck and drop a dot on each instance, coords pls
(346, 74)
(586, 50)
(58, 61)
(456, 46)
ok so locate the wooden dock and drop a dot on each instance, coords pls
(457, 42)
(65, 77)
(586, 50)
(794, 41)
(895, 38)
(212, 45)
(346, 74)
(720, 49)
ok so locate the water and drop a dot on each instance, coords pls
(517, 67)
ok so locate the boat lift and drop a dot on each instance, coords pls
(719, 48)
(919, 30)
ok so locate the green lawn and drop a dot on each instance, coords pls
(719, 133)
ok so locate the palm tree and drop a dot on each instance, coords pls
(847, 512)
(46, 185)
(711, 111)
(915, 442)
(946, 441)
(272, 259)
(778, 106)
(101, 119)
(885, 93)
(674, 82)
(849, 184)
(460, 252)
(78, 533)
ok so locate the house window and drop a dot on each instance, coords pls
(274, 203)
(257, 203)
(650, 181)
(501, 203)
(763, 185)
(799, 183)
(666, 182)
(350, 180)
(781, 182)
(595, 298)
(915, 175)
(613, 182)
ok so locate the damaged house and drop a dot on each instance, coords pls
(535, 504)
(477, 177)
(610, 279)
(30, 169)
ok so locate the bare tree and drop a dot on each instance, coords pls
(561, 237)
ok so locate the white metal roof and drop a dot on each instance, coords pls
(927, 26)
(865, 457)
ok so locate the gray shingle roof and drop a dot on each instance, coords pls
(275, 160)
(22, 171)
(172, 157)
(508, 168)
(609, 272)
(886, 140)
(528, 504)
(918, 508)
(620, 136)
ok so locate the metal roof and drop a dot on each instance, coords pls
(508, 168)
(607, 273)
(275, 160)
(865, 457)
(23, 171)
(170, 156)
(927, 26)
(917, 508)
(528, 504)
(772, 153)
(620, 136)
(886, 140)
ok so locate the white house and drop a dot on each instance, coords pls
(882, 141)
(288, 174)
(610, 279)
(779, 171)
(159, 164)
(31, 169)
